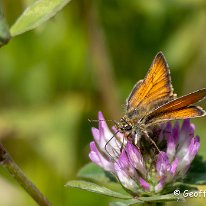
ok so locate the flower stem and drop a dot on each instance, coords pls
(7, 161)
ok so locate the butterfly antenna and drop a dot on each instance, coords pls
(101, 120)
(94, 120)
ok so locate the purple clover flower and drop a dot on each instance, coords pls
(145, 172)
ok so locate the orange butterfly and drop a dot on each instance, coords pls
(152, 101)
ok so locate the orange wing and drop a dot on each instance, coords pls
(185, 113)
(154, 90)
(134, 89)
(177, 105)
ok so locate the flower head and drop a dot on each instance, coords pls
(141, 169)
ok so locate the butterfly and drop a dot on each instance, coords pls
(152, 102)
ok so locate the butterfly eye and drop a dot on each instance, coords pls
(127, 127)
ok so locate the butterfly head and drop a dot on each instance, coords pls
(124, 125)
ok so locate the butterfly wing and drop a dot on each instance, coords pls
(188, 112)
(178, 109)
(154, 90)
(135, 88)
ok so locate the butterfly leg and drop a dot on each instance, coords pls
(137, 138)
(113, 150)
(122, 145)
(151, 140)
(105, 147)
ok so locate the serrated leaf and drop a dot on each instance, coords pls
(37, 13)
(125, 202)
(91, 187)
(93, 172)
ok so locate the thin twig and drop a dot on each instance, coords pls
(7, 161)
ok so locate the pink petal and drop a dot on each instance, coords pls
(98, 159)
(144, 184)
(162, 164)
(125, 179)
(135, 158)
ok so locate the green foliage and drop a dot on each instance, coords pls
(197, 172)
(91, 187)
(36, 14)
(95, 173)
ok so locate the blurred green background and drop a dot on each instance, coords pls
(84, 60)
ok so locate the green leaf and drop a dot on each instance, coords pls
(93, 172)
(91, 187)
(183, 186)
(178, 186)
(4, 31)
(197, 172)
(140, 200)
(196, 178)
(126, 202)
(37, 13)
(161, 198)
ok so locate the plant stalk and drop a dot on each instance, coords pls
(7, 161)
